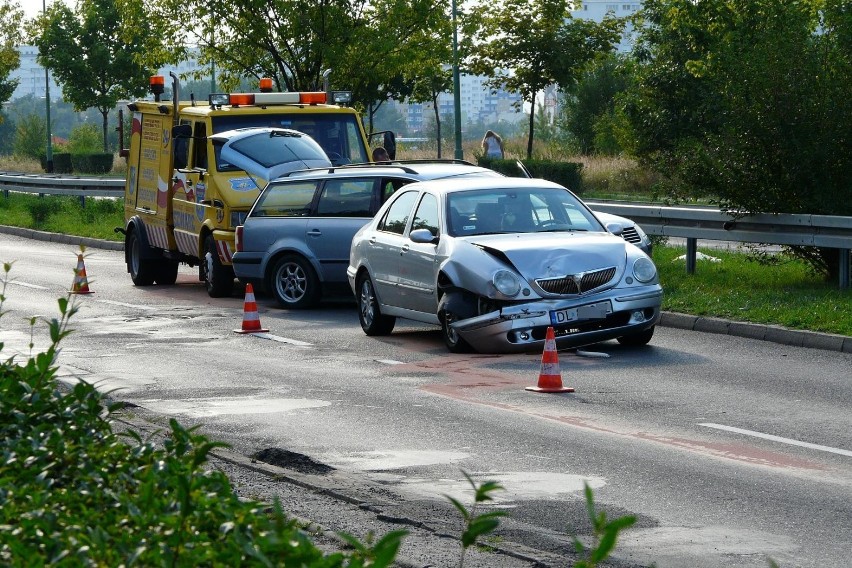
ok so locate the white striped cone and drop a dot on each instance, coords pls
(550, 377)
(251, 321)
(81, 282)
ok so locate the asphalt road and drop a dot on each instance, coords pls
(729, 450)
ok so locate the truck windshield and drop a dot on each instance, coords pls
(337, 133)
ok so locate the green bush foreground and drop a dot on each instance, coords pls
(75, 493)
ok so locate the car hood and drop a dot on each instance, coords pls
(551, 255)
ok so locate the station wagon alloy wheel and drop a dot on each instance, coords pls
(294, 283)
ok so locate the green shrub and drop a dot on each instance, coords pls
(41, 208)
(85, 139)
(92, 163)
(62, 163)
(75, 493)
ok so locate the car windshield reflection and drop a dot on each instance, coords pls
(508, 211)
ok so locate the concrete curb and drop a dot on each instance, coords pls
(772, 333)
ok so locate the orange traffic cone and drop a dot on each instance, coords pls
(550, 377)
(81, 283)
(251, 321)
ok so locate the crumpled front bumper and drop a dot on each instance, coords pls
(522, 327)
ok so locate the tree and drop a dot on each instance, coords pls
(589, 112)
(10, 38)
(749, 103)
(363, 43)
(30, 137)
(526, 46)
(93, 52)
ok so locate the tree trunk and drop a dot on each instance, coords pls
(532, 128)
(105, 115)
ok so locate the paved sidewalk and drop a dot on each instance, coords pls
(773, 333)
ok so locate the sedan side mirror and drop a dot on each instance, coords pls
(423, 236)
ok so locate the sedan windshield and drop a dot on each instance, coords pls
(535, 210)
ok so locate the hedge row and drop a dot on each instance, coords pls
(66, 163)
(563, 173)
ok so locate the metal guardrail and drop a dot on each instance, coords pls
(46, 184)
(691, 223)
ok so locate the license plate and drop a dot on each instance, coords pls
(588, 312)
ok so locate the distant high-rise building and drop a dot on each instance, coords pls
(30, 76)
(595, 10)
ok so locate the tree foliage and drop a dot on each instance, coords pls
(526, 46)
(92, 51)
(589, 113)
(10, 38)
(365, 44)
(749, 102)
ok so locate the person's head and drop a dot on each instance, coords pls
(380, 155)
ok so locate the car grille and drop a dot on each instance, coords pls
(577, 283)
(630, 235)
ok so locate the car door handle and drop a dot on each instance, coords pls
(315, 232)
(404, 250)
(372, 240)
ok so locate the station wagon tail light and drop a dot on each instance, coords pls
(238, 238)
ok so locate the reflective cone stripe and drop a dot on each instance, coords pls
(550, 377)
(81, 283)
(251, 321)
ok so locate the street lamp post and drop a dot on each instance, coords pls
(49, 162)
(459, 155)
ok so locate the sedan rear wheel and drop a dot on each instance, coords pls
(369, 313)
(637, 339)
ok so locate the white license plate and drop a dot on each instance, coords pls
(588, 312)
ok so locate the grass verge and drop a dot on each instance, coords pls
(741, 288)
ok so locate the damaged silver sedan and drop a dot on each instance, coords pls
(495, 262)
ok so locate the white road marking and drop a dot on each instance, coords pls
(778, 439)
(390, 362)
(126, 305)
(279, 339)
(25, 285)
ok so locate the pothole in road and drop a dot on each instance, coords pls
(291, 460)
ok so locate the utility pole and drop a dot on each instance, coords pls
(459, 154)
(49, 162)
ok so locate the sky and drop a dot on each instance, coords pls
(32, 8)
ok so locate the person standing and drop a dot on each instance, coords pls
(492, 145)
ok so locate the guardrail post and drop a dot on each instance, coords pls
(691, 253)
(845, 265)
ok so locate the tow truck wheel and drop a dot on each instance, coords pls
(141, 271)
(167, 272)
(218, 278)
